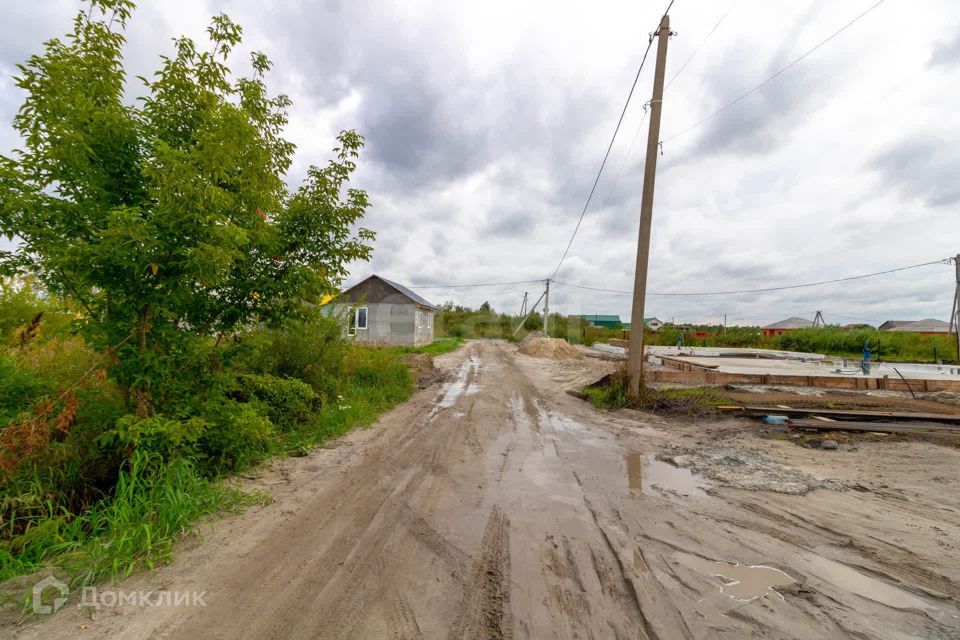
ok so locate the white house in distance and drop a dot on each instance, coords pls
(380, 311)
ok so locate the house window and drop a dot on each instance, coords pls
(361, 318)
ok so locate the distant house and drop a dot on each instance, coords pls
(778, 328)
(380, 311)
(653, 324)
(929, 326)
(609, 322)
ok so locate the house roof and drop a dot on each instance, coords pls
(791, 323)
(646, 320)
(400, 288)
(890, 324)
(601, 318)
(928, 325)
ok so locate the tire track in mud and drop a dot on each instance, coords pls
(485, 611)
(403, 622)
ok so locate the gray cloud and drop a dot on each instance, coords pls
(946, 53)
(925, 168)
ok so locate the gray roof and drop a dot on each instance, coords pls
(928, 325)
(890, 324)
(410, 294)
(791, 323)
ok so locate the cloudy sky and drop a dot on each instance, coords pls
(486, 123)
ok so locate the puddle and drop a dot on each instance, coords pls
(744, 582)
(453, 390)
(638, 562)
(650, 476)
(849, 579)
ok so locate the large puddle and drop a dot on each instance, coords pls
(651, 476)
(744, 582)
(849, 579)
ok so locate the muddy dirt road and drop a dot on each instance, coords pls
(498, 506)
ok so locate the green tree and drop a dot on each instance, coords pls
(168, 220)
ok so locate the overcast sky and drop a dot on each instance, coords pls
(486, 123)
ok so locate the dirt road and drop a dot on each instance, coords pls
(498, 506)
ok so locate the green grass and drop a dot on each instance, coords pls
(611, 394)
(375, 382)
(435, 348)
(153, 504)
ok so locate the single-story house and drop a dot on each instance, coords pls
(653, 324)
(928, 326)
(380, 311)
(778, 328)
(609, 322)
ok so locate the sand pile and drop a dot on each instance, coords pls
(554, 348)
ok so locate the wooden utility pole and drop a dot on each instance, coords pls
(546, 309)
(635, 354)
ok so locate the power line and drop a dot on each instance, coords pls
(606, 156)
(763, 290)
(478, 284)
(777, 74)
(702, 42)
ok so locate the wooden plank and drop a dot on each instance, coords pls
(853, 415)
(882, 427)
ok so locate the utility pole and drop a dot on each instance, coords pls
(635, 353)
(955, 318)
(818, 320)
(523, 307)
(529, 313)
(546, 309)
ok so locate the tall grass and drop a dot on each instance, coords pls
(152, 505)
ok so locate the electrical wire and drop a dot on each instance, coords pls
(606, 155)
(471, 285)
(775, 75)
(699, 46)
(763, 290)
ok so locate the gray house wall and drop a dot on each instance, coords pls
(395, 315)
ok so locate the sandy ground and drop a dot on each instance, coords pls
(499, 506)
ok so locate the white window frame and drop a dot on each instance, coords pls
(356, 319)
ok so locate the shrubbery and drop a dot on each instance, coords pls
(77, 468)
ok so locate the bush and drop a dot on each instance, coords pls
(20, 306)
(310, 350)
(237, 436)
(165, 437)
(288, 402)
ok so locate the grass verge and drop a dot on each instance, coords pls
(435, 348)
(610, 393)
